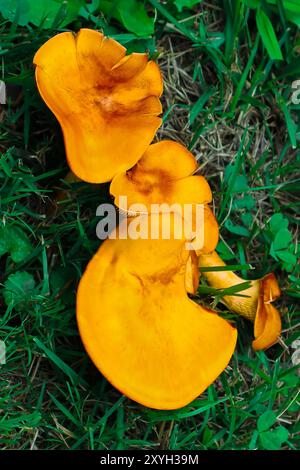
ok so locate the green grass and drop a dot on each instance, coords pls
(231, 104)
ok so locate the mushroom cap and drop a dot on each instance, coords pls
(106, 102)
(267, 324)
(163, 175)
(140, 328)
(163, 181)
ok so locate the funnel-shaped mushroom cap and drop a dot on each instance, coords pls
(106, 102)
(163, 175)
(140, 328)
(163, 181)
(255, 306)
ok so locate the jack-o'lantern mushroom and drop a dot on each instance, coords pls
(106, 102)
(164, 178)
(140, 328)
(163, 175)
(256, 306)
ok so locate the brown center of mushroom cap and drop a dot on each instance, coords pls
(155, 182)
(105, 102)
(109, 106)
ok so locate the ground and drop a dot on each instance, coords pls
(233, 107)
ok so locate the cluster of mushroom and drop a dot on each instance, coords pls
(136, 320)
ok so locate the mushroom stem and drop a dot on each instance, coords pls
(255, 307)
(245, 306)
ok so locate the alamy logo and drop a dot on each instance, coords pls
(296, 92)
(2, 353)
(180, 220)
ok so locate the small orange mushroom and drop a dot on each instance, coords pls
(106, 102)
(162, 179)
(256, 306)
(140, 328)
(163, 175)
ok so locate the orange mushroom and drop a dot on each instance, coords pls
(256, 306)
(162, 179)
(163, 175)
(106, 102)
(140, 328)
